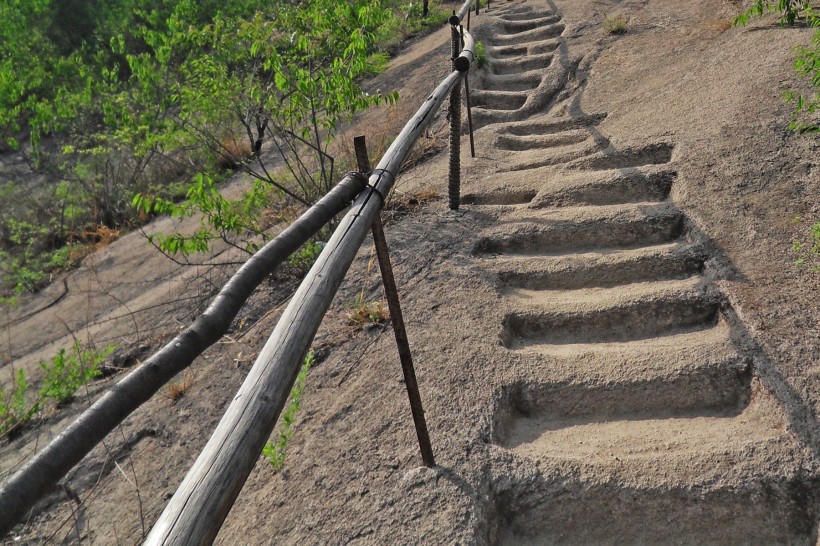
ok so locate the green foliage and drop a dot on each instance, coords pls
(615, 25)
(14, 407)
(233, 221)
(807, 248)
(108, 99)
(275, 451)
(367, 314)
(807, 65)
(306, 256)
(68, 371)
(790, 10)
(480, 55)
(807, 61)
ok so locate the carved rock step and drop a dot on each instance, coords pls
(503, 67)
(498, 100)
(577, 229)
(693, 374)
(722, 478)
(529, 23)
(601, 315)
(534, 35)
(534, 48)
(526, 81)
(521, 12)
(676, 260)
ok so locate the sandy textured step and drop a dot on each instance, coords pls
(504, 196)
(688, 374)
(553, 80)
(512, 12)
(534, 35)
(549, 140)
(632, 185)
(690, 449)
(716, 477)
(761, 511)
(577, 229)
(530, 23)
(598, 269)
(534, 48)
(498, 100)
(622, 158)
(531, 159)
(601, 315)
(551, 125)
(513, 82)
(504, 67)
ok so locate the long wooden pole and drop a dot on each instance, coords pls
(40, 474)
(197, 510)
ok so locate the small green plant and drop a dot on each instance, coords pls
(68, 371)
(306, 256)
(14, 408)
(367, 314)
(790, 10)
(376, 63)
(807, 60)
(275, 451)
(480, 55)
(615, 25)
(808, 249)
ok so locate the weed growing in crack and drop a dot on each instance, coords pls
(807, 249)
(64, 374)
(615, 25)
(176, 390)
(68, 371)
(366, 314)
(306, 256)
(14, 408)
(480, 55)
(276, 451)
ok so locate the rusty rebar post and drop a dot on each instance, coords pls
(454, 115)
(396, 318)
(467, 96)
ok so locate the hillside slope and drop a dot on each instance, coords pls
(612, 343)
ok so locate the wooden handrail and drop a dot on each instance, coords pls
(40, 474)
(197, 510)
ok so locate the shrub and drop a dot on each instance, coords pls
(276, 451)
(68, 371)
(615, 25)
(480, 55)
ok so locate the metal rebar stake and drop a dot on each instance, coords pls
(454, 114)
(396, 318)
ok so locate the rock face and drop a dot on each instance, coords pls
(613, 345)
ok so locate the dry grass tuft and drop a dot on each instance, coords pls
(233, 152)
(615, 25)
(402, 204)
(365, 314)
(175, 391)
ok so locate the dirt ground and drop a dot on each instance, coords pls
(613, 342)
